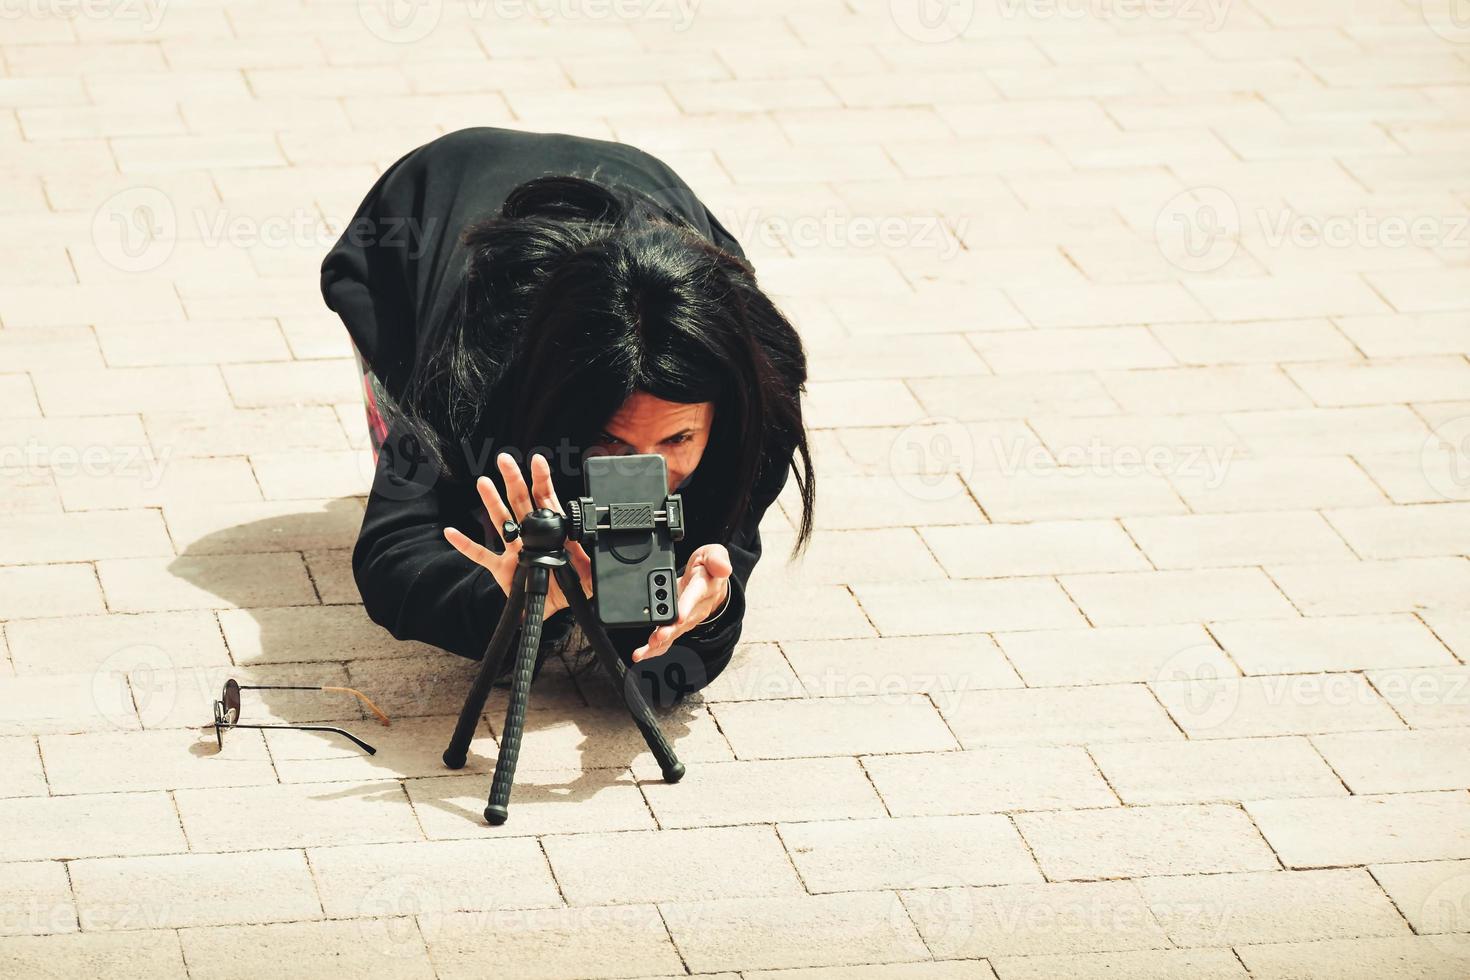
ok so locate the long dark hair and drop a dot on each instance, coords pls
(590, 292)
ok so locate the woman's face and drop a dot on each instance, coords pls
(677, 431)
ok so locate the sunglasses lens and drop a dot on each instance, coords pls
(232, 700)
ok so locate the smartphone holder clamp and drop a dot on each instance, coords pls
(543, 534)
(624, 517)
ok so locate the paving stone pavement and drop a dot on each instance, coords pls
(1135, 638)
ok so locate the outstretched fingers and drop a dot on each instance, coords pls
(515, 486)
(496, 508)
(542, 488)
(475, 552)
(692, 592)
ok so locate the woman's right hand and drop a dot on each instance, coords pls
(503, 565)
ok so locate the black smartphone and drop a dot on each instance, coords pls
(637, 522)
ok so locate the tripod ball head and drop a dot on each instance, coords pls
(543, 530)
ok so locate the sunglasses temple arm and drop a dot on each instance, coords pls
(358, 694)
(318, 728)
(364, 699)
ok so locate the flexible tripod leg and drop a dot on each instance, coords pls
(490, 663)
(571, 587)
(498, 807)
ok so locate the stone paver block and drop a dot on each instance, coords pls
(791, 728)
(1427, 697)
(100, 701)
(82, 644)
(1028, 920)
(544, 802)
(1327, 643)
(764, 791)
(1314, 833)
(387, 947)
(1389, 959)
(897, 665)
(95, 825)
(205, 582)
(1399, 762)
(1152, 964)
(37, 900)
(1140, 841)
(179, 890)
(296, 815)
(1055, 715)
(431, 878)
(1430, 894)
(908, 852)
(1154, 598)
(904, 609)
(1113, 654)
(171, 758)
(1210, 771)
(811, 930)
(554, 944)
(986, 780)
(1271, 906)
(1274, 704)
(141, 955)
(671, 865)
(21, 764)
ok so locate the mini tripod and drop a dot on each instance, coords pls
(543, 534)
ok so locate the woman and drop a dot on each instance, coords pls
(539, 297)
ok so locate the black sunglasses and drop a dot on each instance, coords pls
(227, 712)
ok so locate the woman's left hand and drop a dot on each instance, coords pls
(702, 590)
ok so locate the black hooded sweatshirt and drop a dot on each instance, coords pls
(392, 278)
